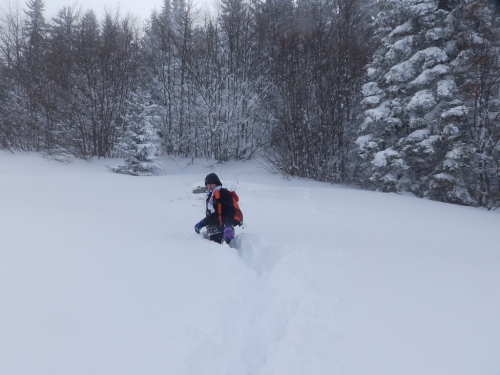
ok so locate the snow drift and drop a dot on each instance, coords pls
(103, 274)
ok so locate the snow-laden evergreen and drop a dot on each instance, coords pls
(473, 158)
(411, 83)
(138, 144)
(430, 124)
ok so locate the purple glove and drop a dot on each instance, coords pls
(228, 234)
(199, 225)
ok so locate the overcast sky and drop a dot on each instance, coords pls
(141, 8)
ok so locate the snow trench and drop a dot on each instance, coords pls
(283, 317)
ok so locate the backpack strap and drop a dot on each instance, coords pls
(219, 206)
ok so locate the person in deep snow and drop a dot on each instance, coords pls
(219, 218)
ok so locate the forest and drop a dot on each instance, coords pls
(388, 95)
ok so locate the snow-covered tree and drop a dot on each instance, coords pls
(167, 45)
(469, 173)
(410, 83)
(138, 143)
(431, 119)
(231, 85)
(33, 74)
(13, 95)
(316, 51)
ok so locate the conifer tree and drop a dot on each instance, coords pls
(410, 83)
(138, 143)
(469, 172)
(431, 123)
(33, 75)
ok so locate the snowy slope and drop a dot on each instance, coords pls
(103, 274)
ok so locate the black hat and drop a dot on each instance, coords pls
(212, 178)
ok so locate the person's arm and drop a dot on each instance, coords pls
(198, 226)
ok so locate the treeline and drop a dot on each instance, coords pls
(66, 85)
(394, 95)
(282, 76)
(259, 74)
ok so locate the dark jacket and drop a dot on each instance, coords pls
(214, 221)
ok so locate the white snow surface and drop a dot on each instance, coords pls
(422, 100)
(419, 135)
(102, 273)
(380, 158)
(401, 48)
(445, 88)
(459, 111)
(421, 60)
(376, 114)
(402, 29)
(429, 75)
(435, 34)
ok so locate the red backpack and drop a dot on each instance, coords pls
(238, 215)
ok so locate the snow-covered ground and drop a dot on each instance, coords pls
(102, 274)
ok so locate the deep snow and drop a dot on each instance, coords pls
(103, 274)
